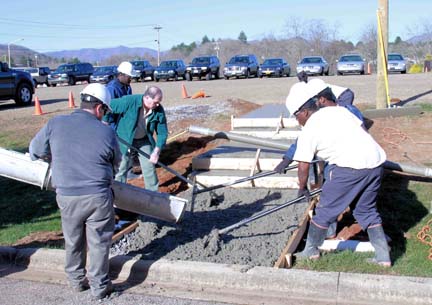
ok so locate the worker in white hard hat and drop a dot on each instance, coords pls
(335, 135)
(85, 154)
(344, 96)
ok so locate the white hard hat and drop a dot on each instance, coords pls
(316, 85)
(99, 92)
(126, 67)
(299, 94)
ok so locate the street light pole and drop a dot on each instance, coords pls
(36, 60)
(157, 28)
(9, 56)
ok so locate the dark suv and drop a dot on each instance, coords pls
(16, 85)
(143, 69)
(170, 69)
(203, 66)
(241, 65)
(70, 73)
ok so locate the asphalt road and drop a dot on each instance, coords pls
(416, 88)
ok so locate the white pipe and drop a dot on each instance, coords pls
(406, 168)
(162, 206)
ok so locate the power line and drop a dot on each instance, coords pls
(76, 26)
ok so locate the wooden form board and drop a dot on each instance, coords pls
(285, 259)
(263, 122)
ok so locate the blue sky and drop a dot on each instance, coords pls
(54, 25)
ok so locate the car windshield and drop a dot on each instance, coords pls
(274, 61)
(168, 64)
(106, 69)
(62, 69)
(29, 70)
(350, 58)
(138, 64)
(311, 60)
(395, 57)
(239, 59)
(201, 61)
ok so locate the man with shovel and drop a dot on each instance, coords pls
(355, 160)
(141, 116)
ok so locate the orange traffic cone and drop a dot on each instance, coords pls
(38, 109)
(199, 94)
(184, 92)
(71, 100)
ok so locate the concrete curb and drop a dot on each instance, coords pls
(233, 283)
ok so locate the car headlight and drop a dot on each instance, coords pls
(278, 68)
(156, 72)
(204, 68)
(243, 68)
(188, 69)
(63, 75)
(171, 71)
(225, 69)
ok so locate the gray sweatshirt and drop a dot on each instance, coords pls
(84, 153)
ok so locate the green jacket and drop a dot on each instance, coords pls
(128, 108)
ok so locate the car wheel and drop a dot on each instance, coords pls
(247, 74)
(188, 77)
(217, 74)
(208, 76)
(226, 77)
(327, 73)
(403, 72)
(322, 72)
(71, 81)
(176, 77)
(23, 95)
(156, 79)
(362, 72)
(339, 73)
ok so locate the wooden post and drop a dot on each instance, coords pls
(381, 95)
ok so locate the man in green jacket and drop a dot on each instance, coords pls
(140, 118)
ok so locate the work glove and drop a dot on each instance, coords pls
(304, 192)
(281, 167)
(154, 157)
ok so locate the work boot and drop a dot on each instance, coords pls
(379, 242)
(315, 238)
(331, 232)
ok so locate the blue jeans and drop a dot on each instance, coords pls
(148, 169)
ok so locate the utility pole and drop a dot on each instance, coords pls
(9, 44)
(217, 48)
(381, 93)
(157, 28)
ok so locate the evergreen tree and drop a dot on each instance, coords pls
(242, 37)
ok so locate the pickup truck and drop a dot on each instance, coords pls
(16, 85)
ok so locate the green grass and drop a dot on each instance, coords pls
(405, 207)
(25, 209)
(426, 107)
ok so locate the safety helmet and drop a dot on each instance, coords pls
(126, 67)
(299, 94)
(98, 92)
(317, 85)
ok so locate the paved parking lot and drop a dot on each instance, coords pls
(415, 87)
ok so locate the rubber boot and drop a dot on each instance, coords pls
(379, 242)
(315, 238)
(331, 232)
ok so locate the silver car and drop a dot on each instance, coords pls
(350, 63)
(313, 65)
(396, 63)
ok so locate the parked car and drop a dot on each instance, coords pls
(16, 85)
(313, 65)
(274, 67)
(70, 74)
(203, 66)
(143, 69)
(39, 75)
(350, 63)
(103, 74)
(241, 65)
(170, 69)
(396, 63)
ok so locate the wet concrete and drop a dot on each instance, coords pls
(258, 243)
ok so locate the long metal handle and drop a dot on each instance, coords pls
(265, 213)
(259, 175)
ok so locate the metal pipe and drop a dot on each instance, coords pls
(406, 168)
(162, 206)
